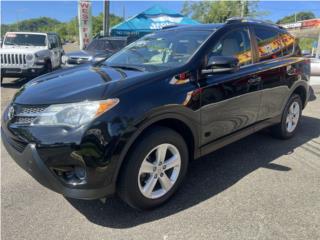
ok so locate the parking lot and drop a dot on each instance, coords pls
(256, 188)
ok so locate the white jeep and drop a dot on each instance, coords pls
(26, 54)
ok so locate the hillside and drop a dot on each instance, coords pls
(67, 30)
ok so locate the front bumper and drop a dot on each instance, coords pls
(29, 160)
(22, 72)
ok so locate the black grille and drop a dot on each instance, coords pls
(31, 110)
(74, 60)
(24, 120)
(25, 114)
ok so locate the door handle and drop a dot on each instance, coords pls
(254, 80)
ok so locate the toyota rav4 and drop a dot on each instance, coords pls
(130, 124)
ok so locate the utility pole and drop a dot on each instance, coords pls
(124, 12)
(106, 13)
(318, 48)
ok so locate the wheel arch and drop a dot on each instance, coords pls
(303, 93)
(175, 122)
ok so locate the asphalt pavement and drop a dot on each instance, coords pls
(256, 188)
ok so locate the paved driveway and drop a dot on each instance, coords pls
(256, 188)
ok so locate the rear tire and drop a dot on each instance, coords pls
(153, 169)
(290, 119)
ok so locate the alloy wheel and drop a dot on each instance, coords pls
(293, 117)
(159, 171)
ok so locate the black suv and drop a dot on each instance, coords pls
(130, 124)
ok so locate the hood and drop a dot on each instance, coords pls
(21, 49)
(85, 82)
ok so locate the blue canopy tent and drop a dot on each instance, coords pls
(149, 21)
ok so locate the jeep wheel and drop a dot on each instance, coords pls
(154, 169)
(48, 67)
(290, 119)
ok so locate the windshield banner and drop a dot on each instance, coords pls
(85, 22)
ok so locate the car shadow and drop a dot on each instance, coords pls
(206, 178)
(15, 83)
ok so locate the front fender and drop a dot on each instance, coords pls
(179, 113)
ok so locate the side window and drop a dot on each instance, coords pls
(57, 39)
(235, 43)
(51, 42)
(270, 44)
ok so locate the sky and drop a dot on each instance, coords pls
(13, 11)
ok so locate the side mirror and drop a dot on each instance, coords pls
(219, 64)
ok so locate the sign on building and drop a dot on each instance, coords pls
(85, 22)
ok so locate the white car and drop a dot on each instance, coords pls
(26, 54)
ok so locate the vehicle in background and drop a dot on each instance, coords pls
(98, 49)
(315, 66)
(26, 54)
(306, 53)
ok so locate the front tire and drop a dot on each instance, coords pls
(154, 169)
(290, 119)
(48, 67)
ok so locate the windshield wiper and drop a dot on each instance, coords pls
(129, 67)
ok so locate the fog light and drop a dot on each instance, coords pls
(80, 172)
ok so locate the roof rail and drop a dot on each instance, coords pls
(244, 19)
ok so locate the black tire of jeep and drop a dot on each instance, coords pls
(128, 186)
(48, 67)
(280, 130)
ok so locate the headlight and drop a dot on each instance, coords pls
(29, 57)
(74, 114)
(64, 59)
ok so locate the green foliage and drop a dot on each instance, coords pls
(306, 43)
(219, 11)
(299, 17)
(66, 30)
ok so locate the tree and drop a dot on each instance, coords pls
(296, 17)
(219, 11)
(97, 22)
(67, 30)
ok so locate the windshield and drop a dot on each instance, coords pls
(25, 39)
(163, 49)
(106, 45)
